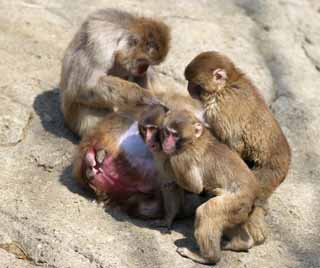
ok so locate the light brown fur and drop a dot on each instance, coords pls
(239, 117)
(105, 67)
(201, 163)
(176, 201)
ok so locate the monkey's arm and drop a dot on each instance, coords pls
(110, 92)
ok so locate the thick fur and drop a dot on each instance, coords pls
(239, 117)
(101, 66)
(204, 164)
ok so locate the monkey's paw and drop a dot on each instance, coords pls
(184, 252)
(258, 232)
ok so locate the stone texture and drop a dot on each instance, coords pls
(58, 225)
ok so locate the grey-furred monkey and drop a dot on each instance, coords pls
(108, 66)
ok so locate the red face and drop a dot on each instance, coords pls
(170, 139)
(150, 134)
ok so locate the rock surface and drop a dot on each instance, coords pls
(57, 225)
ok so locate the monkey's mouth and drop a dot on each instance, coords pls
(168, 150)
(141, 69)
(194, 90)
(154, 147)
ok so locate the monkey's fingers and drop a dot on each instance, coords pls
(100, 156)
(187, 253)
(90, 173)
(90, 158)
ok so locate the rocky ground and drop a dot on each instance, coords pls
(45, 218)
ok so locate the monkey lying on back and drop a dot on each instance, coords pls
(106, 66)
(201, 163)
(113, 160)
(239, 117)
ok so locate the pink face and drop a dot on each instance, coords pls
(151, 138)
(169, 143)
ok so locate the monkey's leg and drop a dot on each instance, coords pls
(172, 196)
(212, 218)
(239, 239)
(256, 225)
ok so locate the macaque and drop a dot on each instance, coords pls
(115, 163)
(176, 201)
(201, 163)
(108, 66)
(239, 117)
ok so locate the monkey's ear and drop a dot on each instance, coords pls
(198, 128)
(219, 75)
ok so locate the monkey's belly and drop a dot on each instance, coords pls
(116, 176)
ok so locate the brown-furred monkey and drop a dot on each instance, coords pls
(201, 163)
(108, 66)
(239, 117)
(175, 200)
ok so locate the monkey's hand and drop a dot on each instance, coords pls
(122, 92)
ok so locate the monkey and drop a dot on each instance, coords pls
(113, 161)
(239, 117)
(108, 66)
(176, 201)
(200, 162)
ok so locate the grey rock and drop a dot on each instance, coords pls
(58, 224)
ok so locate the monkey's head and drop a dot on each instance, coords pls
(150, 125)
(179, 129)
(209, 73)
(147, 43)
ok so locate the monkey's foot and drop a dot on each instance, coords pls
(187, 253)
(238, 244)
(258, 231)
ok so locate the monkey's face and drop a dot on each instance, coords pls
(147, 44)
(203, 85)
(150, 125)
(179, 129)
(207, 74)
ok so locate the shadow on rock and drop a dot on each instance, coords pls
(183, 226)
(66, 179)
(47, 106)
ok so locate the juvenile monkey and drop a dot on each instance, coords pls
(240, 118)
(175, 200)
(108, 66)
(201, 163)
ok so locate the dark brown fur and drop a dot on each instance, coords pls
(201, 163)
(240, 118)
(105, 67)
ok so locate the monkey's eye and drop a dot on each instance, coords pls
(152, 46)
(152, 128)
(175, 135)
(133, 41)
